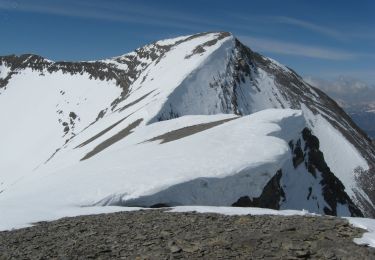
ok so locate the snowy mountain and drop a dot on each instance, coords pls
(194, 120)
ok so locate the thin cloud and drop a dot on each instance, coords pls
(310, 26)
(126, 7)
(125, 12)
(100, 12)
(153, 16)
(287, 48)
(365, 33)
(334, 33)
(366, 75)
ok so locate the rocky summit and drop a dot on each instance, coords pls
(156, 234)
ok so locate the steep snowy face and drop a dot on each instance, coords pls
(194, 120)
(234, 79)
(347, 150)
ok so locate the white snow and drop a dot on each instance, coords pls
(4, 71)
(194, 96)
(31, 109)
(253, 144)
(341, 156)
(164, 77)
(368, 238)
(12, 217)
(261, 94)
(232, 211)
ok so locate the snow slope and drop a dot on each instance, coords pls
(195, 120)
(343, 163)
(36, 111)
(188, 171)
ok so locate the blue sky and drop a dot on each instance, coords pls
(324, 39)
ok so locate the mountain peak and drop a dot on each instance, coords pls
(199, 119)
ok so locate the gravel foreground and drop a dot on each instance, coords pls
(155, 234)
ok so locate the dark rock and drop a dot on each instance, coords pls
(72, 115)
(159, 205)
(270, 198)
(244, 201)
(156, 234)
(333, 189)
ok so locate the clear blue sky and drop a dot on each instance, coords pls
(318, 38)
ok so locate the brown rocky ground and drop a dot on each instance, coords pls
(155, 234)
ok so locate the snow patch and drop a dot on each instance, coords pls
(12, 217)
(4, 71)
(232, 211)
(368, 238)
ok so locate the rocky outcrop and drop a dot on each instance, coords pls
(271, 196)
(305, 154)
(332, 187)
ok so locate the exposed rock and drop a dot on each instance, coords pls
(333, 189)
(310, 157)
(155, 234)
(270, 198)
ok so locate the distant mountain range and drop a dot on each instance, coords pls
(356, 97)
(195, 120)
